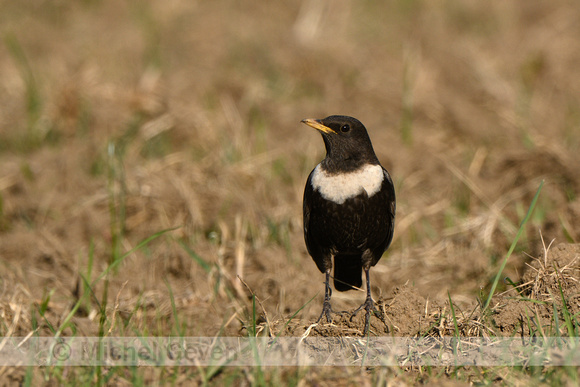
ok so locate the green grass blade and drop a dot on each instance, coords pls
(193, 255)
(76, 306)
(33, 97)
(512, 283)
(180, 329)
(291, 318)
(144, 242)
(43, 307)
(513, 246)
(457, 345)
(453, 315)
(566, 311)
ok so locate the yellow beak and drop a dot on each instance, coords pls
(316, 124)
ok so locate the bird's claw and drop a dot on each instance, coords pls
(369, 307)
(326, 311)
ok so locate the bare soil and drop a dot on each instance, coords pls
(404, 312)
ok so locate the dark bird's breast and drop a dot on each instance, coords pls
(348, 225)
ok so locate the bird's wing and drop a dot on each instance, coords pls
(391, 195)
(314, 248)
(306, 206)
(388, 214)
(306, 211)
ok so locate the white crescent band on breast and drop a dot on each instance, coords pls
(340, 187)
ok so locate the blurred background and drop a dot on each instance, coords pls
(119, 119)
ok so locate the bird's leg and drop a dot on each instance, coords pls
(326, 309)
(368, 305)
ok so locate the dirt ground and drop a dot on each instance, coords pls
(122, 119)
(407, 313)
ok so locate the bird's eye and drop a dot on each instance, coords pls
(345, 128)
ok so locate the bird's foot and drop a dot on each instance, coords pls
(369, 307)
(326, 312)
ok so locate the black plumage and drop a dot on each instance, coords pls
(349, 208)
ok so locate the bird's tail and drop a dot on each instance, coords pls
(347, 272)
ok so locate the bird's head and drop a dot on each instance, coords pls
(347, 142)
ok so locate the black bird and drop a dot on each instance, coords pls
(349, 209)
